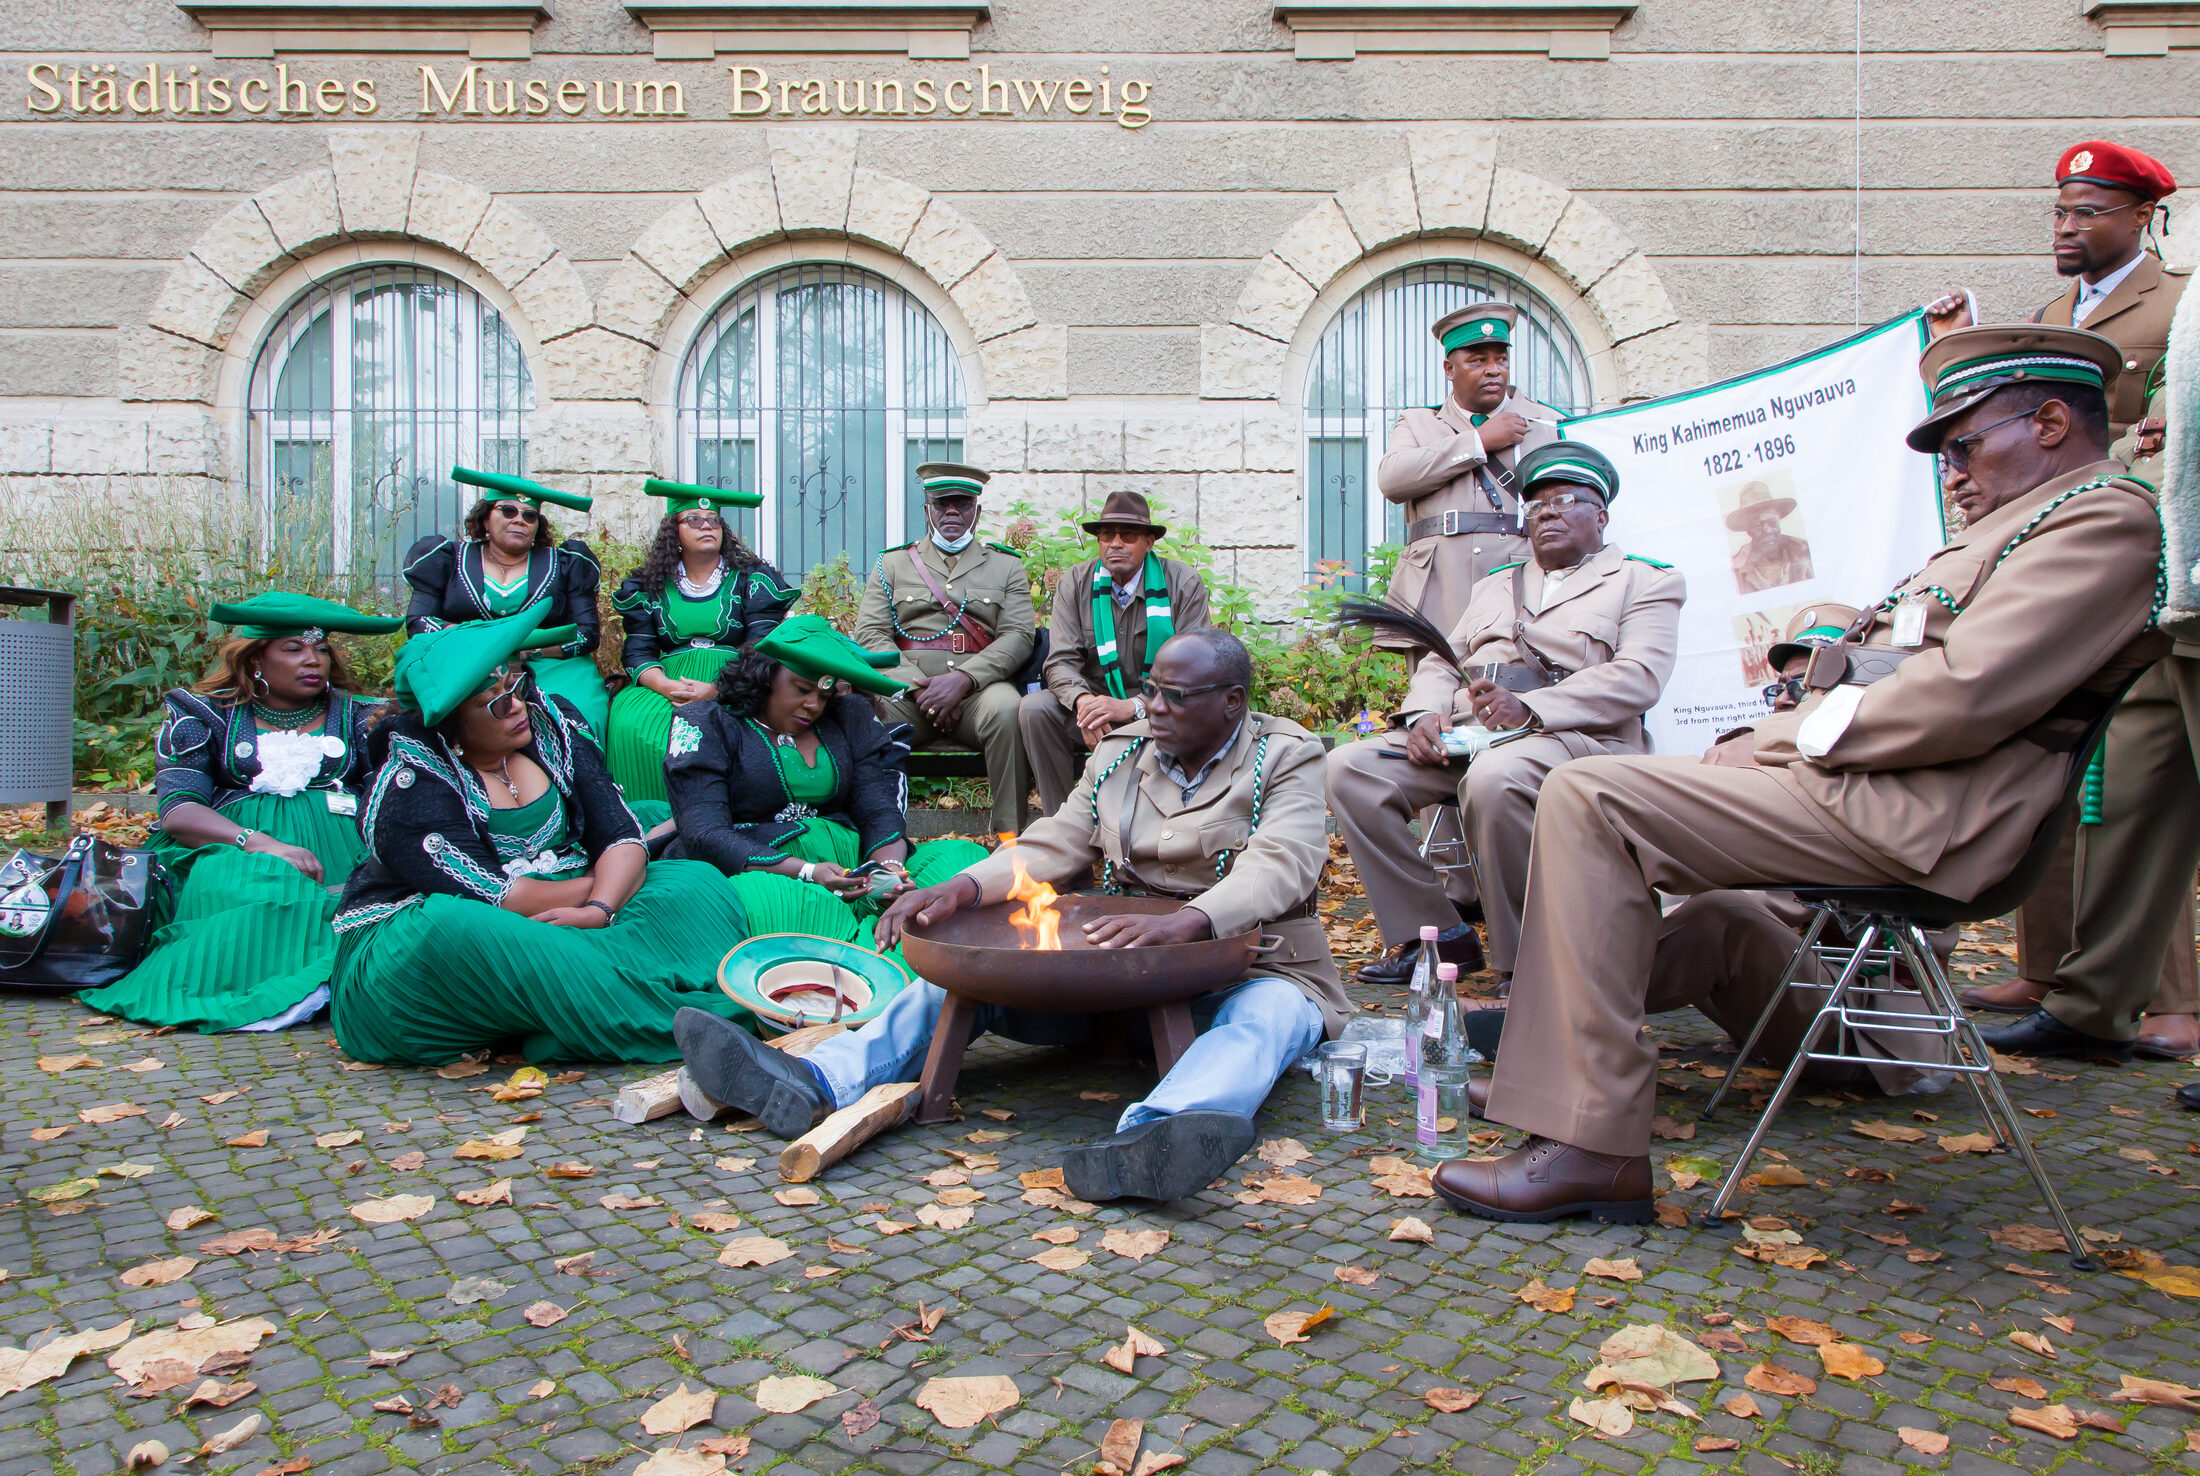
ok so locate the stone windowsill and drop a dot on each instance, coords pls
(486, 30)
(1565, 30)
(2146, 27)
(700, 30)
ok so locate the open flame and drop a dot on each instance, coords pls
(1038, 921)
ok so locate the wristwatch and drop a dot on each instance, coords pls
(610, 913)
(1138, 708)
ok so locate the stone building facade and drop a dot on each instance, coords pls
(803, 246)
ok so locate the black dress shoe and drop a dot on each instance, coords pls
(1172, 1157)
(2188, 1095)
(733, 1067)
(1459, 945)
(2041, 1034)
(1485, 1028)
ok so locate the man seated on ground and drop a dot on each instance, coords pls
(1572, 646)
(1204, 800)
(1928, 757)
(1109, 615)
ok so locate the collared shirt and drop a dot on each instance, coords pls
(1552, 578)
(2091, 293)
(1125, 593)
(1174, 771)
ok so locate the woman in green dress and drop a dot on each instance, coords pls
(508, 558)
(508, 896)
(699, 595)
(787, 782)
(258, 770)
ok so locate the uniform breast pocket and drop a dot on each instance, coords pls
(986, 610)
(1600, 630)
(1217, 836)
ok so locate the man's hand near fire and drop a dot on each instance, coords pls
(1145, 930)
(926, 905)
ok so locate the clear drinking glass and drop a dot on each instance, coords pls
(1343, 1076)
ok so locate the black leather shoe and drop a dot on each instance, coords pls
(1459, 945)
(1485, 1028)
(2188, 1095)
(733, 1067)
(2041, 1034)
(1171, 1157)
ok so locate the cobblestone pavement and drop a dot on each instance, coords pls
(1922, 1286)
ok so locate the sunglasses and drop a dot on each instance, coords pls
(1177, 696)
(519, 687)
(1956, 451)
(1794, 687)
(698, 520)
(518, 512)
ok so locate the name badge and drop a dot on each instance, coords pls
(1909, 623)
(341, 803)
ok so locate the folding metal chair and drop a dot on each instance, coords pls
(1436, 820)
(1887, 925)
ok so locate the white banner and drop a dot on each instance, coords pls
(1770, 493)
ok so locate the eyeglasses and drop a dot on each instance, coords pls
(2084, 217)
(1956, 450)
(1793, 687)
(519, 686)
(698, 520)
(1177, 696)
(518, 512)
(1561, 501)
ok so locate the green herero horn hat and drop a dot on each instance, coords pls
(438, 670)
(276, 613)
(951, 479)
(789, 980)
(683, 497)
(809, 646)
(1477, 322)
(502, 484)
(1568, 461)
(1964, 367)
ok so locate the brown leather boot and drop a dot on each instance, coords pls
(1478, 1096)
(2017, 997)
(2169, 1037)
(1545, 1180)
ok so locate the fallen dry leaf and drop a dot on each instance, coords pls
(1282, 1190)
(2055, 1420)
(754, 1250)
(232, 1437)
(2149, 1391)
(499, 1192)
(2026, 1237)
(1450, 1401)
(1288, 1327)
(1410, 1228)
(1888, 1132)
(1407, 1185)
(47, 1135)
(1915, 1337)
(1135, 1345)
(1136, 1244)
(107, 1112)
(1649, 1356)
(732, 1447)
(1707, 1443)
(683, 1409)
(160, 1273)
(1283, 1153)
(959, 1404)
(1154, 1460)
(59, 1064)
(1356, 1275)
(257, 1138)
(1119, 1447)
(237, 1242)
(798, 1197)
(217, 1395)
(2032, 1342)
(791, 1395)
(714, 1222)
(1848, 1361)
(548, 1314)
(1742, 1407)
(1780, 1176)
(1057, 1235)
(1098, 1096)
(572, 1168)
(2094, 1419)
(865, 1416)
(1925, 1442)
(2064, 1325)
(145, 1455)
(393, 1210)
(194, 1348)
(1061, 1258)
(670, 1460)
(2017, 1384)
(734, 1165)
(186, 1217)
(467, 1290)
(939, 1217)
(460, 1069)
(1624, 1270)
(1049, 1178)
(1547, 1298)
(1610, 1418)
(1770, 1378)
(542, 1388)
(22, 1367)
(1802, 1330)
(956, 1197)
(338, 1140)
(1969, 1142)
(387, 1357)
(620, 1203)
(575, 1265)
(412, 1162)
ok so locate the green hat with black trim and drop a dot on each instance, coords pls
(683, 497)
(810, 646)
(1964, 367)
(503, 484)
(276, 613)
(951, 479)
(438, 670)
(789, 980)
(1567, 461)
(1476, 323)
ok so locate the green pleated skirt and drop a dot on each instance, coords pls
(578, 681)
(249, 937)
(641, 722)
(785, 904)
(449, 976)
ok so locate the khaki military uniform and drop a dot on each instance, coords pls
(1052, 744)
(995, 591)
(1613, 625)
(1940, 778)
(1160, 842)
(1435, 468)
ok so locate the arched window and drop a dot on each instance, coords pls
(823, 387)
(1377, 360)
(367, 391)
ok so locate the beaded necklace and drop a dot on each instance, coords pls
(276, 720)
(954, 621)
(1222, 858)
(2161, 579)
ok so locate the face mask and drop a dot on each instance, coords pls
(956, 546)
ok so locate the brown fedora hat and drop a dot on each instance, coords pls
(1126, 510)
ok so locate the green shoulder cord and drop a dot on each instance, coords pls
(1160, 622)
(2096, 775)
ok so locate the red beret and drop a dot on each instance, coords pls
(2103, 163)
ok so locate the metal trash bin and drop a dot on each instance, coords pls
(38, 702)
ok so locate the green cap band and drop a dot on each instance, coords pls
(1572, 471)
(1477, 330)
(1971, 373)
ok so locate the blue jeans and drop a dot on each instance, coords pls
(1249, 1034)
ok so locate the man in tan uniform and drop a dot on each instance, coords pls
(1451, 469)
(1572, 648)
(961, 612)
(2106, 200)
(1107, 614)
(1205, 800)
(1931, 763)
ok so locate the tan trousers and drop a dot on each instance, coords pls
(2132, 885)
(1722, 952)
(1052, 746)
(1375, 798)
(989, 725)
(1610, 834)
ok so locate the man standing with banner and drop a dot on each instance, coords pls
(1932, 764)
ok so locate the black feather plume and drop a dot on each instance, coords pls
(1380, 618)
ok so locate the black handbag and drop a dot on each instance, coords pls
(80, 919)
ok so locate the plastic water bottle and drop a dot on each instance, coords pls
(1424, 974)
(1440, 1093)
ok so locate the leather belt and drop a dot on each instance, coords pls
(1453, 523)
(1846, 665)
(1516, 676)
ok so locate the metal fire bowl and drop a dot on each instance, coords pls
(979, 954)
